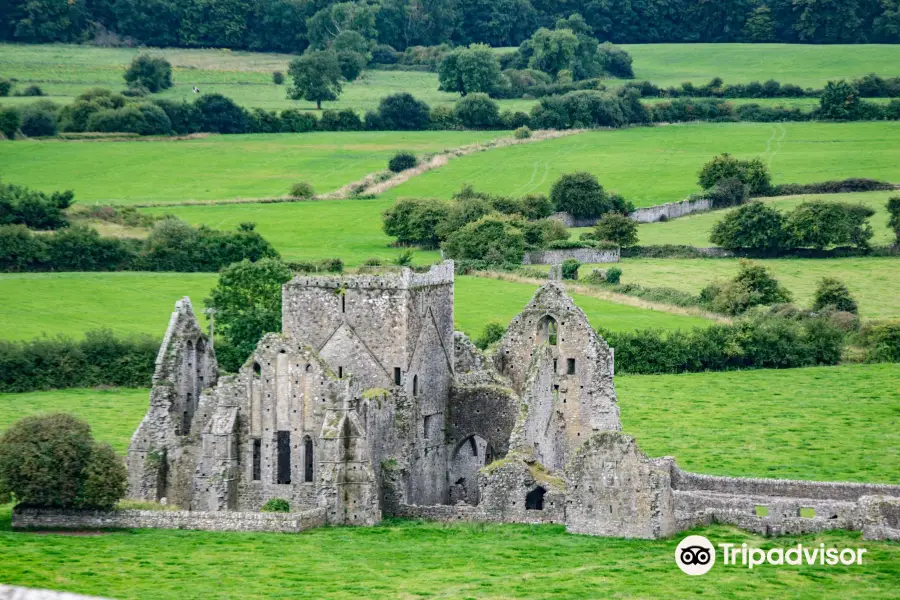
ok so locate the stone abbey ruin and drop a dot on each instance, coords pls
(368, 404)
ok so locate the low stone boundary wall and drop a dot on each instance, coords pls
(582, 255)
(40, 518)
(670, 210)
(793, 488)
(649, 214)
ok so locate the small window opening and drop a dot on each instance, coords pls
(343, 303)
(554, 365)
(396, 375)
(534, 500)
(570, 366)
(307, 460)
(257, 460)
(257, 370)
(415, 385)
(284, 457)
(340, 372)
(474, 446)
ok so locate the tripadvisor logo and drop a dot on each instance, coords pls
(695, 555)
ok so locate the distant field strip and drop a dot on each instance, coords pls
(654, 165)
(214, 167)
(74, 303)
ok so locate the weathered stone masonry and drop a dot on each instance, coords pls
(368, 404)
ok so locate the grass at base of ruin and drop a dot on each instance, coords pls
(821, 423)
(407, 559)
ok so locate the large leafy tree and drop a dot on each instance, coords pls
(469, 70)
(317, 77)
(554, 50)
(247, 304)
(753, 226)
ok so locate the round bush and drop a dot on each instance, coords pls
(302, 190)
(477, 111)
(579, 194)
(39, 119)
(151, 72)
(402, 111)
(402, 161)
(52, 461)
(276, 505)
(613, 275)
(278, 78)
(522, 133)
(570, 268)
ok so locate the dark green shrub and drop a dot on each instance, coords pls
(830, 187)
(616, 61)
(753, 226)
(5, 87)
(401, 161)
(832, 294)
(20, 205)
(342, 120)
(296, 121)
(881, 341)
(544, 233)
(569, 269)
(537, 206)
(10, 120)
(218, 114)
(839, 101)
(400, 112)
(21, 250)
(151, 72)
(820, 224)
(493, 239)
(728, 192)
(373, 262)
(613, 275)
(302, 190)
(39, 119)
(276, 505)
(183, 116)
(80, 248)
(52, 461)
(32, 90)
(581, 195)
(383, 54)
(617, 228)
(893, 208)
(477, 111)
(414, 221)
(522, 133)
(752, 173)
(752, 286)
(277, 77)
(351, 64)
(493, 332)
(127, 119)
(444, 118)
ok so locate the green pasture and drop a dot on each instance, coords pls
(403, 559)
(214, 167)
(654, 165)
(800, 64)
(823, 423)
(873, 281)
(140, 303)
(694, 229)
(348, 229)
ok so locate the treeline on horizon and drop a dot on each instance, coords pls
(295, 25)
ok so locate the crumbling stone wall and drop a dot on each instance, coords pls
(582, 255)
(562, 371)
(613, 489)
(162, 453)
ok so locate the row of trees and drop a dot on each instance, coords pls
(100, 110)
(292, 26)
(817, 224)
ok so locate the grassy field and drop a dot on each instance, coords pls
(874, 282)
(653, 165)
(803, 65)
(216, 167)
(415, 560)
(349, 229)
(694, 229)
(113, 414)
(64, 71)
(73, 303)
